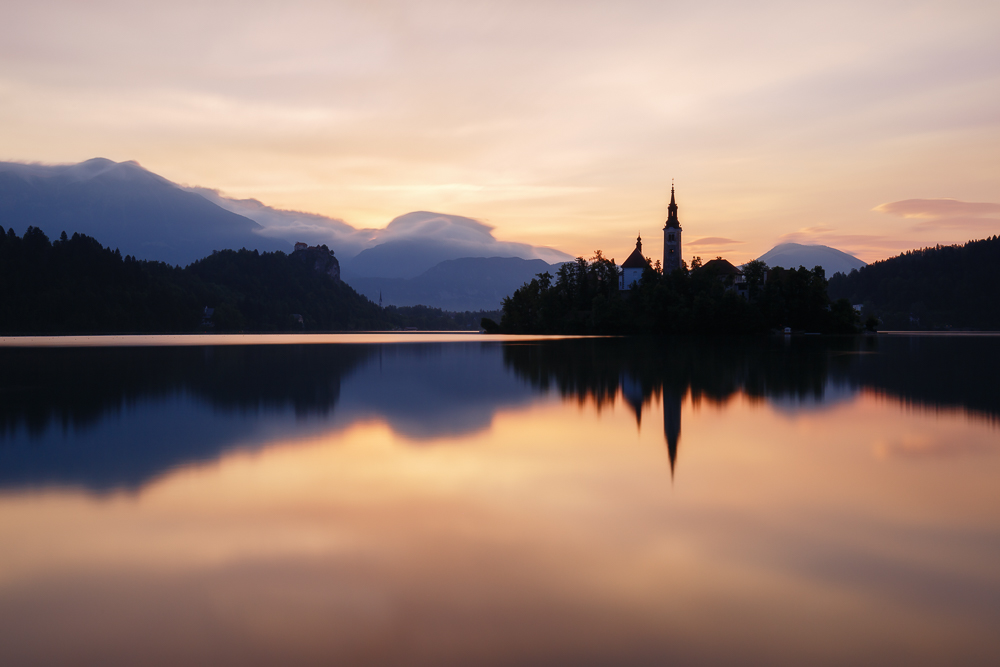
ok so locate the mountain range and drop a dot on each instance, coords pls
(149, 217)
(406, 247)
(469, 283)
(125, 206)
(423, 257)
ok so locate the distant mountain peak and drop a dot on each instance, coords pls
(106, 169)
(126, 206)
(794, 255)
(146, 215)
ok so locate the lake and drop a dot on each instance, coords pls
(471, 500)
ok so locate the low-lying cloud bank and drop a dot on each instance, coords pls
(443, 236)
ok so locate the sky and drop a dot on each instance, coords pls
(873, 127)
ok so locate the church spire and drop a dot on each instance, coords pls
(672, 220)
(672, 237)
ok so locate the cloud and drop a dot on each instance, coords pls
(295, 226)
(455, 235)
(930, 446)
(714, 241)
(945, 213)
(938, 208)
(823, 235)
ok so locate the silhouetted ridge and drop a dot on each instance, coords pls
(133, 209)
(75, 285)
(933, 288)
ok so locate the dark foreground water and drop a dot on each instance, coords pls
(797, 501)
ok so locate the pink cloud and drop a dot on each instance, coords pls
(867, 247)
(933, 214)
(714, 241)
(822, 235)
(938, 208)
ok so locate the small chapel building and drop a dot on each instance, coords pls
(632, 268)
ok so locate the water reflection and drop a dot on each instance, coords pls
(109, 418)
(794, 374)
(501, 503)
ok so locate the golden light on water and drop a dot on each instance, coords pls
(557, 528)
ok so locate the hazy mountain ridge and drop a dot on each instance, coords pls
(149, 217)
(126, 206)
(410, 244)
(468, 283)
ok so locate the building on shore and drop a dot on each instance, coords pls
(731, 276)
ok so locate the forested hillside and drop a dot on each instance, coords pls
(75, 285)
(935, 288)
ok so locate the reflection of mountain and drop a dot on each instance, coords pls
(432, 391)
(796, 373)
(115, 418)
(111, 418)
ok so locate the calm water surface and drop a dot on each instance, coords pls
(462, 500)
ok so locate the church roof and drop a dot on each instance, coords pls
(722, 267)
(635, 261)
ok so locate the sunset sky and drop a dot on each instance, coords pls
(873, 127)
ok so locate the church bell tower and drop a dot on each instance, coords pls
(671, 238)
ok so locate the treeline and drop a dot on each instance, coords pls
(75, 285)
(934, 288)
(583, 298)
(426, 318)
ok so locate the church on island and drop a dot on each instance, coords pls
(632, 268)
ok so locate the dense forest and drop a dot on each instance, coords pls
(583, 298)
(944, 287)
(75, 285)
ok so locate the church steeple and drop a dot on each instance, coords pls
(672, 220)
(672, 237)
(638, 242)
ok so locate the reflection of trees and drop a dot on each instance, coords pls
(76, 387)
(670, 368)
(713, 369)
(933, 371)
(442, 391)
(936, 372)
(87, 391)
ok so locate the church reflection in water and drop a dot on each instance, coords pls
(116, 418)
(937, 372)
(632, 394)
